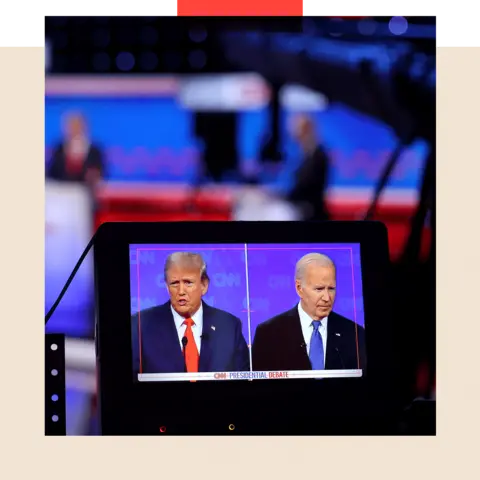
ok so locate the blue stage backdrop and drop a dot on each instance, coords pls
(152, 139)
(270, 289)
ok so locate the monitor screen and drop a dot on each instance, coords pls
(246, 312)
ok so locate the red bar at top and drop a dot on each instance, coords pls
(240, 7)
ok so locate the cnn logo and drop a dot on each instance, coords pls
(220, 376)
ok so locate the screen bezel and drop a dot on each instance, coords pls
(209, 407)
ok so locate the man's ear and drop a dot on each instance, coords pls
(298, 288)
(205, 285)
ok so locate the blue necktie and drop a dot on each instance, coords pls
(316, 348)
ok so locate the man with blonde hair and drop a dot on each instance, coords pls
(76, 158)
(310, 336)
(185, 334)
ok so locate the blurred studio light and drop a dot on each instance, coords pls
(125, 61)
(398, 25)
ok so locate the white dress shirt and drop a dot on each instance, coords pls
(307, 330)
(196, 328)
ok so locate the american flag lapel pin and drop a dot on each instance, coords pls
(337, 334)
(213, 328)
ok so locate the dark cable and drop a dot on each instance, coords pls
(385, 177)
(70, 278)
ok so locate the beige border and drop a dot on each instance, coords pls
(458, 252)
(454, 452)
(22, 240)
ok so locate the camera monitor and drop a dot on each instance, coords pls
(208, 326)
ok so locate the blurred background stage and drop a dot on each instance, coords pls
(160, 119)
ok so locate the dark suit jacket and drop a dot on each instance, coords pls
(222, 350)
(279, 344)
(57, 168)
(311, 183)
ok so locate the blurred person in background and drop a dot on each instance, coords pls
(310, 182)
(77, 158)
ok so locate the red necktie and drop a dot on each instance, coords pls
(74, 164)
(190, 351)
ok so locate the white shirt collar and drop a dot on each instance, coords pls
(78, 145)
(306, 320)
(197, 318)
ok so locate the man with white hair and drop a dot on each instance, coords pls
(310, 336)
(185, 334)
(311, 177)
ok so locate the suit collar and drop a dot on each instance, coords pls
(295, 327)
(293, 312)
(208, 338)
(334, 343)
(168, 334)
(207, 314)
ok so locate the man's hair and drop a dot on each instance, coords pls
(311, 258)
(73, 115)
(189, 260)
